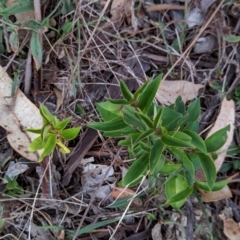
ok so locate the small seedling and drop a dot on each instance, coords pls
(52, 134)
(163, 141)
(13, 187)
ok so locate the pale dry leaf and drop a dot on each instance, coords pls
(168, 91)
(21, 17)
(17, 114)
(93, 175)
(15, 169)
(60, 97)
(120, 8)
(231, 229)
(194, 17)
(156, 232)
(225, 117)
(121, 192)
(217, 195)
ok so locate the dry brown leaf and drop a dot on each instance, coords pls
(120, 192)
(225, 117)
(231, 228)
(60, 97)
(21, 17)
(156, 232)
(17, 114)
(217, 195)
(170, 90)
(161, 7)
(120, 8)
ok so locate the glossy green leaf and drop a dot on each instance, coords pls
(193, 127)
(194, 110)
(138, 93)
(168, 168)
(129, 141)
(176, 200)
(159, 165)
(216, 186)
(175, 186)
(125, 91)
(36, 50)
(145, 147)
(32, 130)
(156, 156)
(217, 139)
(62, 124)
(145, 119)
(188, 167)
(45, 132)
(36, 144)
(121, 132)
(70, 133)
(209, 169)
(158, 117)
(136, 171)
(146, 98)
(113, 125)
(55, 121)
(194, 158)
(197, 141)
(117, 101)
(108, 110)
(144, 135)
(131, 119)
(47, 116)
(180, 136)
(169, 116)
(176, 141)
(179, 105)
(48, 146)
(193, 113)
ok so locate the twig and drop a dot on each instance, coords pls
(95, 193)
(90, 38)
(186, 52)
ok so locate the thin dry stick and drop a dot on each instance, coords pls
(94, 195)
(93, 32)
(186, 52)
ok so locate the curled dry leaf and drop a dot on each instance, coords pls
(217, 195)
(231, 228)
(121, 192)
(170, 90)
(225, 117)
(18, 113)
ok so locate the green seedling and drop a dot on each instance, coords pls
(12, 187)
(53, 134)
(163, 141)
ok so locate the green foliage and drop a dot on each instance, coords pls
(151, 133)
(12, 187)
(52, 134)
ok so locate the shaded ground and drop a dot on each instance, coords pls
(97, 45)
